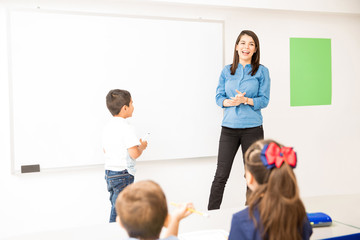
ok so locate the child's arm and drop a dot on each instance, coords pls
(175, 218)
(136, 151)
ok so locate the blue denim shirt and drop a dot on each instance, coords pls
(256, 87)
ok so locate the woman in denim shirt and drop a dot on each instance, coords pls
(243, 90)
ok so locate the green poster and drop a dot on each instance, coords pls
(310, 71)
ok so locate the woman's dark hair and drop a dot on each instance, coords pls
(116, 99)
(282, 213)
(255, 59)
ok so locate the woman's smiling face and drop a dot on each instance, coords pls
(246, 49)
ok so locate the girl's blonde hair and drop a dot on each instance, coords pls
(282, 212)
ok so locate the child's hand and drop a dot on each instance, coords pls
(137, 150)
(182, 211)
(143, 144)
(172, 224)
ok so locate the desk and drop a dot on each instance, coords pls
(106, 231)
(346, 220)
(344, 211)
(221, 219)
(341, 208)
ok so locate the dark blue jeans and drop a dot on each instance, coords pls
(116, 182)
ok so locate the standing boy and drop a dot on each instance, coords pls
(120, 145)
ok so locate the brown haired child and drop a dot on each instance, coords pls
(275, 209)
(142, 210)
(120, 145)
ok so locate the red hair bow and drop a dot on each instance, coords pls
(274, 156)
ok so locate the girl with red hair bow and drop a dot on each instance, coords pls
(275, 209)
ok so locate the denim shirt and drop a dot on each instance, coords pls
(256, 87)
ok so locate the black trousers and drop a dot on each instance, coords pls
(230, 141)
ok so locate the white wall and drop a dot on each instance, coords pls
(326, 137)
(334, 6)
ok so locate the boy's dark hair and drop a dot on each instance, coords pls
(142, 209)
(116, 99)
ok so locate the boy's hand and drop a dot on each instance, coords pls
(137, 150)
(182, 211)
(143, 145)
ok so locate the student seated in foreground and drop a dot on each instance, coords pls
(142, 211)
(275, 210)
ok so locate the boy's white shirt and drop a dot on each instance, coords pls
(118, 136)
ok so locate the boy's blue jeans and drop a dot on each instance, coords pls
(116, 182)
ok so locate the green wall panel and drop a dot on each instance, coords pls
(310, 71)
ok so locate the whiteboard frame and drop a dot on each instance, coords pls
(85, 13)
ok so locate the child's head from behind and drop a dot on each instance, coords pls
(142, 209)
(270, 165)
(118, 100)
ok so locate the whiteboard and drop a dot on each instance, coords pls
(63, 64)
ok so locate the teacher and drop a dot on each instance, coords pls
(243, 90)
